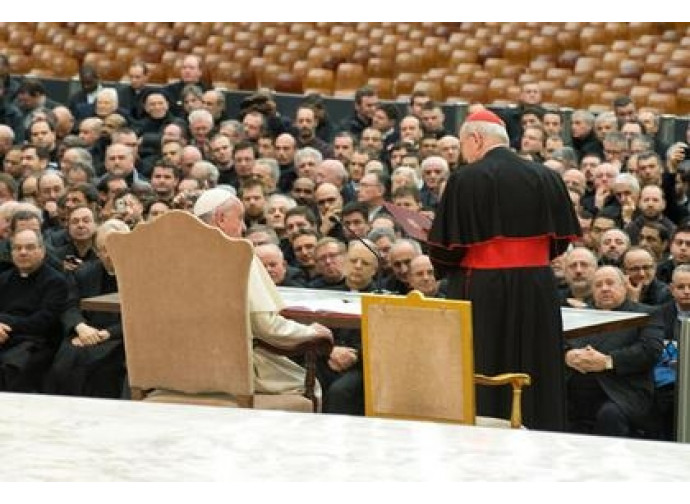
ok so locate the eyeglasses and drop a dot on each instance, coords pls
(641, 268)
(328, 257)
(325, 201)
(29, 247)
(401, 263)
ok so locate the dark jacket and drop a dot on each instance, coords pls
(635, 352)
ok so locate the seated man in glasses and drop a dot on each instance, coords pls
(643, 286)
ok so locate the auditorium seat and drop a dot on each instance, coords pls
(575, 81)
(630, 68)
(380, 67)
(547, 88)
(662, 103)
(538, 68)
(408, 62)
(640, 94)
(592, 34)
(678, 73)
(451, 85)
(591, 93)
(543, 45)
(317, 56)
(568, 40)
(586, 65)
(268, 75)
(622, 85)
(495, 66)
(431, 87)
(65, 67)
(566, 97)
(512, 72)
(558, 75)
(683, 101)
(621, 45)
(640, 52)
(405, 83)
(472, 92)
(287, 82)
(271, 52)
(651, 79)
(668, 85)
(19, 63)
(384, 86)
(287, 58)
(568, 58)
(654, 62)
(225, 72)
(300, 68)
(612, 60)
(319, 80)
(603, 76)
(157, 73)
(480, 77)
(348, 78)
(497, 90)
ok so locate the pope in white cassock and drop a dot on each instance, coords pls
(273, 374)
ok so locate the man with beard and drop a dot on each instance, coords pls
(305, 120)
(303, 191)
(612, 246)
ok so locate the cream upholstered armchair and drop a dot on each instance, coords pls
(418, 361)
(183, 289)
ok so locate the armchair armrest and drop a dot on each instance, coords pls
(516, 381)
(311, 350)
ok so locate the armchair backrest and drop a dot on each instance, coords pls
(418, 358)
(185, 312)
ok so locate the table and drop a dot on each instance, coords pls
(53, 438)
(342, 309)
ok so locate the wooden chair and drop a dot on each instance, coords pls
(385, 88)
(418, 361)
(348, 78)
(185, 310)
(319, 80)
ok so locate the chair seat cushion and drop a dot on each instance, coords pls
(499, 423)
(289, 402)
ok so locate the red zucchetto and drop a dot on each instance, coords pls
(484, 115)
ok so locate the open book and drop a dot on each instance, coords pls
(318, 300)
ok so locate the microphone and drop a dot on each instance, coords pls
(378, 289)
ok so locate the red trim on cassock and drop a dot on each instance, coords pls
(501, 252)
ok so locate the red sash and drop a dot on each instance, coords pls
(500, 253)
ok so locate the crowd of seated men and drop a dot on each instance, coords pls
(316, 195)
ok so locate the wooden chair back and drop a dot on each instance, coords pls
(183, 290)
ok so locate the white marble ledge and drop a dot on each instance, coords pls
(44, 438)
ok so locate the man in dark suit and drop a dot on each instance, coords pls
(32, 296)
(665, 371)
(610, 384)
(91, 359)
(131, 97)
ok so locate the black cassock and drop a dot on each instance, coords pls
(499, 222)
(92, 371)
